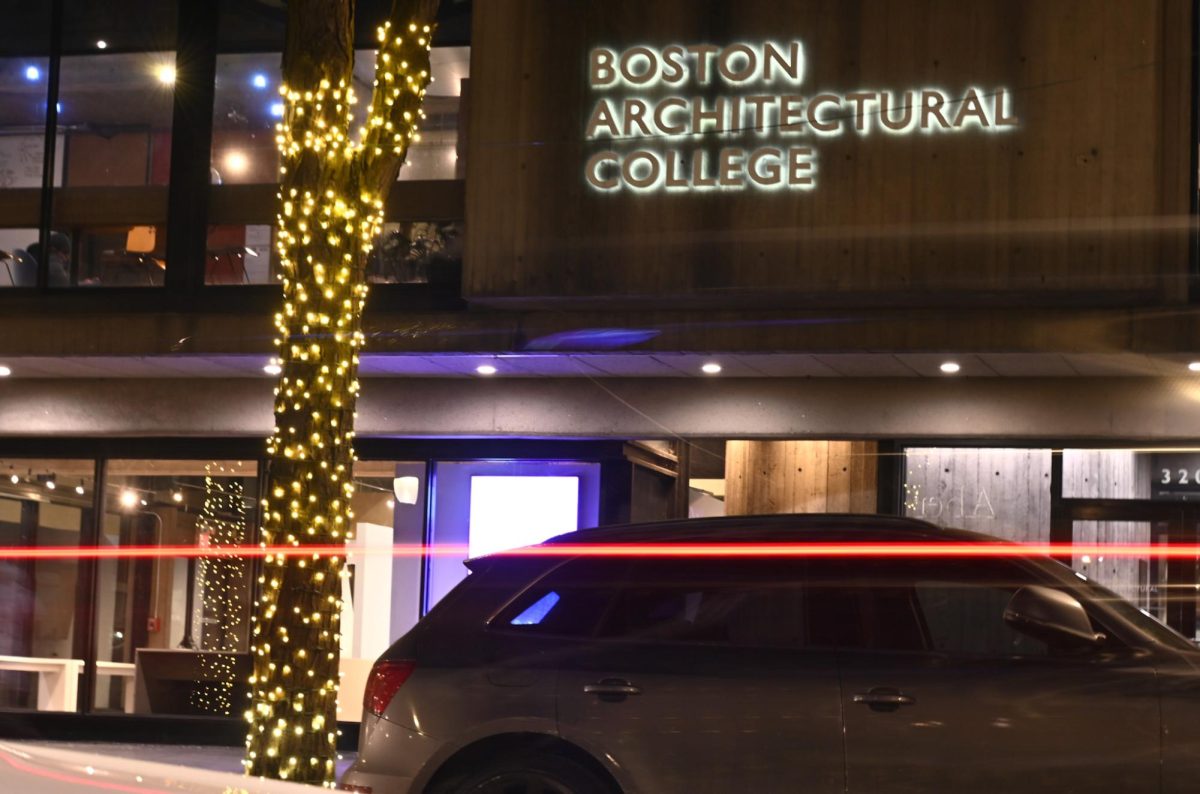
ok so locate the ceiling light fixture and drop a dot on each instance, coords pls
(259, 80)
(32, 73)
(949, 367)
(13, 476)
(129, 498)
(4, 371)
(50, 483)
(177, 496)
(102, 44)
(276, 110)
(1194, 366)
(486, 369)
(79, 489)
(165, 74)
(272, 368)
(711, 368)
(236, 161)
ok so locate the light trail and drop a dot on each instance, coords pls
(682, 549)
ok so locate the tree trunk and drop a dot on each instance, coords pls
(333, 184)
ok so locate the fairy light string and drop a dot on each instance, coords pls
(223, 576)
(333, 182)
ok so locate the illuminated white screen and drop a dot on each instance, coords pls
(510, 512)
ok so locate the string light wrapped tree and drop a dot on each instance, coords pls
(333, 183)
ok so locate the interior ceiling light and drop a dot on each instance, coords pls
(259, 80)
(50, 483)
(272, 368)
(711, 368)
(102, 44)
(165, 74)
(4, 371)
(32, 73)
(177, 496)
(486, 369)
(276, 110)
(950, 367)
(79, 489)
(1194, 366)
(237, 162)
(129, 498)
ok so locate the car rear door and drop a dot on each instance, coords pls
(699, 681)
(942, 695)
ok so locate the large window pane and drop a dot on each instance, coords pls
(179, 624)
(1000, 492)
(116, 94)
(44, 504)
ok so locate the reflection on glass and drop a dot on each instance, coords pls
(412, 252)
(247, 106)
(43, 504)
(23, 92)
(18, 265)
(180, 623)
(114, 124)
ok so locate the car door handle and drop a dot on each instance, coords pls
(611, 689)
(884, 699)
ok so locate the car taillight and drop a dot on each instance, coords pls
(387, 676)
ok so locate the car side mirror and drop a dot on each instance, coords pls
(1052, 616)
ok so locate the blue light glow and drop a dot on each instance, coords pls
(277, 109)
(259, 80)
(536, 612)
(33, 73)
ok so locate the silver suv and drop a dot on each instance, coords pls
(683, 673)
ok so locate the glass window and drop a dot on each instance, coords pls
(507, 526)
(969, 619)
(18, 250)
(181, 623)
(748, 604)
(1000, 492)
(115, 105)
(569, 601)
(389, 508)
(44, 504)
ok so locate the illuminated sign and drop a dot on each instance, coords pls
(662, 110)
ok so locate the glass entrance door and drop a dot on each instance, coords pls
(1165, 587)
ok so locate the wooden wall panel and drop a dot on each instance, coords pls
(794, 476)
(1086, 201)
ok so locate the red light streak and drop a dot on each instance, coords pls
(885, 549)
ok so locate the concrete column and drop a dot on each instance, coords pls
(800, 477)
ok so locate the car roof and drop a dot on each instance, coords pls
(792, 528)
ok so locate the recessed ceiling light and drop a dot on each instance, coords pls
(486, 369)
(4, 371)
(102, 44)
(259, 80)
(949, 367)
(32, 73)
(276, 109)
(272, 369)
(711, 368)
(165, 74)
(128, 498)
(236, 162)
(177, 496)
(1194, 366)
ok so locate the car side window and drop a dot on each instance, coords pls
(968, 619)
(749, 604)
(569, 601)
